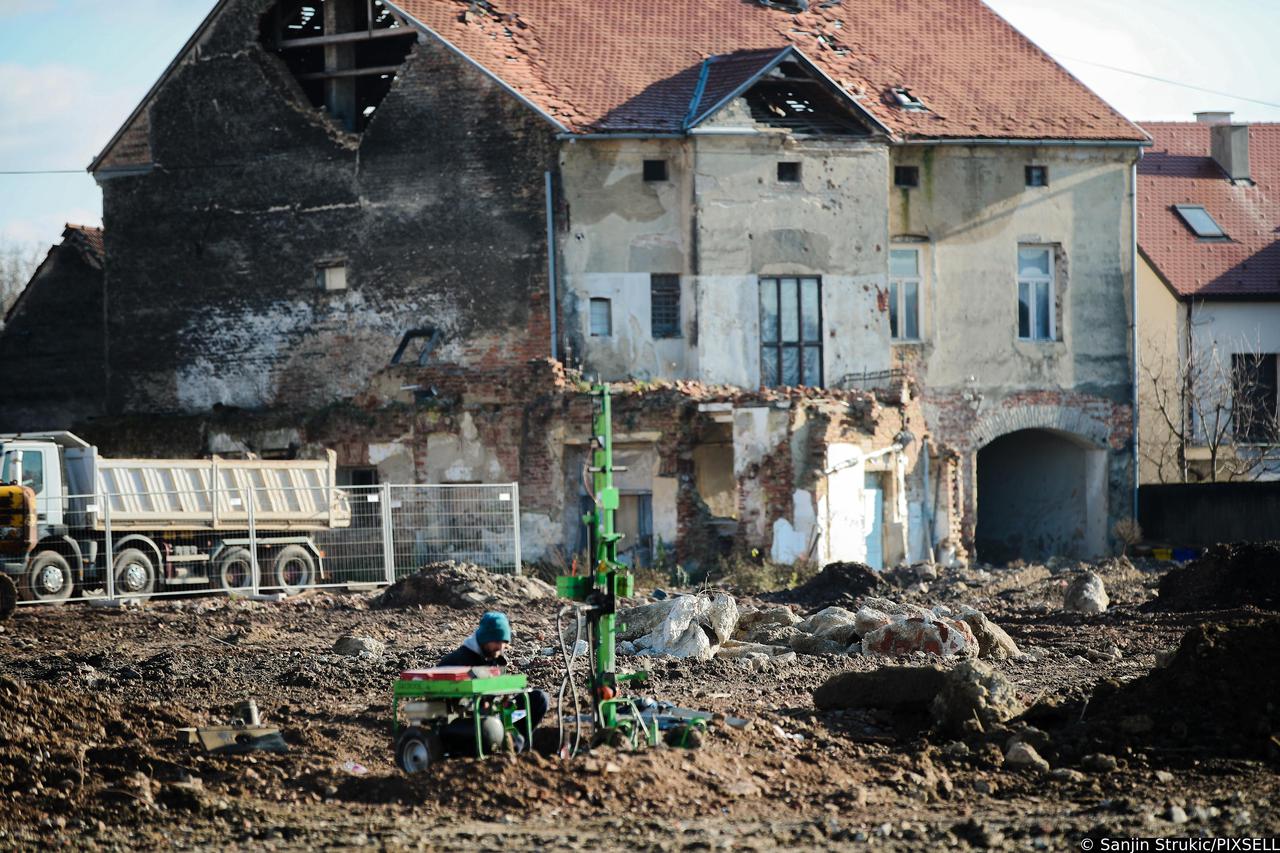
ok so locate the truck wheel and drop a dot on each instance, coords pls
(293, 569)
(135, 575)
(48, 578)
(8, 597)
(416, 750)
(235, 570)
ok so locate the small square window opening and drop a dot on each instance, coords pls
(601, 318)
(906, 176)
(655, 170)
(789, 171)
(331, 276)
(1037, 176)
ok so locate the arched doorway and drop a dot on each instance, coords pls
(1040, 493)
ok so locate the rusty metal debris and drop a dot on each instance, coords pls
(246, 733)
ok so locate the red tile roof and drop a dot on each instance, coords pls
(633, 65)
(88, 240)
(1179, 170)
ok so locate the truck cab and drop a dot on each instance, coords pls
(36, 462)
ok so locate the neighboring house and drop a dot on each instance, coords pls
(53, 338)
(1209, 300)
(868, 282)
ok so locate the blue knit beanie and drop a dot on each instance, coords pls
(494, 628)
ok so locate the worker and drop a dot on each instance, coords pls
(487, 647)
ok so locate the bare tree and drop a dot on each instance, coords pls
(18, 262)
(1217, 410)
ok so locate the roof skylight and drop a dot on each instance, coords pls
(1199, 221)
(906, 100)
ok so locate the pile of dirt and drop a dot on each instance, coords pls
(837, 585)
(1229, 575)
(1218, 694)
(462, 585)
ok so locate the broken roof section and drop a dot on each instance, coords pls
(632, 66)
(1180, 171)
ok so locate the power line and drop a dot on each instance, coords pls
(1166, 80)
(44, 172)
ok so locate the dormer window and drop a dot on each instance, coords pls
(1200, 222)
(906, 100)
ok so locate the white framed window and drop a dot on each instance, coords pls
(332, 275)
(1035, 294)
(904, 294)
(601, 318)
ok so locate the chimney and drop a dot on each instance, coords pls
(1230, 149)
(1213, 118)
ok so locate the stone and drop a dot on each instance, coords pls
(929, 633)
(691, 626)
(1087, 595)
(736, 649)
(831, 623)
(1176, 814)
(1098, 762)
(899, 688)
(868, 619)
(771, 635)
(1066, 774)
(974, 694)
(1164, 777)
(808, 644)
(1024, 755)
(359, 646)
(635, 622)
(993, 642)
(765, 617)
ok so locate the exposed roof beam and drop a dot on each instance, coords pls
(350, 72)
(343, 38)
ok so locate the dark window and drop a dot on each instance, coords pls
(1037, 176)
(601, 318)
(664, 305)
(655, 170)
(791, 332)
(789, 171)
(1253, 403)
(424, 340)
(906, 176)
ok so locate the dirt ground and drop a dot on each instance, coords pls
(92, 697)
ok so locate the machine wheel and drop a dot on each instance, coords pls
(417, 749)
(235, 570)
(135, 574)
(294, 568)
(8, 597)
(48, 578)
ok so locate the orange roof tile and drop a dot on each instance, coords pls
(1178, 170)
(633, 65)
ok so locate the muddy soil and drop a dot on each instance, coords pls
(92, 697)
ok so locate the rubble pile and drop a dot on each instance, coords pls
(838, 584)
(687, 626)
(462, 585)
(1219, 693)
(1228, 575)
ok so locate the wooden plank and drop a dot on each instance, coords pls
(351, 72)
(344, 38)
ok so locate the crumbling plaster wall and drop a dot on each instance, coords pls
(721, 220)
(437, 210)
(970, 213)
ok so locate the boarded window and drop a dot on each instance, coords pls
(601, 318)
(664, 305)
(791, 331)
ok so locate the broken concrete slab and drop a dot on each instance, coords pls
(930, 633)
(975, 695)
(737, 648)
(907, 688)
(765, 618)
(1086, 594)
(808, 644)
(692, 626)
(993, 642)
(831, 623)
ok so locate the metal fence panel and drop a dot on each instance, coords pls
(377, 534)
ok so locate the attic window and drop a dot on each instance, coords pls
(423, 340)
(906, 176)
(655, 170)
(789, 171)
(1200, 222)
(906, 100)
(344, 53)
(791, 98)
(1037, 176)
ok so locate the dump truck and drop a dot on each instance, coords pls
(161, 524)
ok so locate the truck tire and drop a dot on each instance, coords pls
(293, 569)
(48, 578)
(8, 597)
(235, 570)
(135, 574)
(417, 749)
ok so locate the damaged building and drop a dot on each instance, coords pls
(865, 294)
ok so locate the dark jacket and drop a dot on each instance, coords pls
(469, 654)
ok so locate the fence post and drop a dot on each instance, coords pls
(515, 523)
(388, 543)
(107, 561)
(253, 538)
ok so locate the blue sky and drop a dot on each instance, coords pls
(71, 71)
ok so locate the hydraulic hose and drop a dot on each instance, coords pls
(568, 683)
